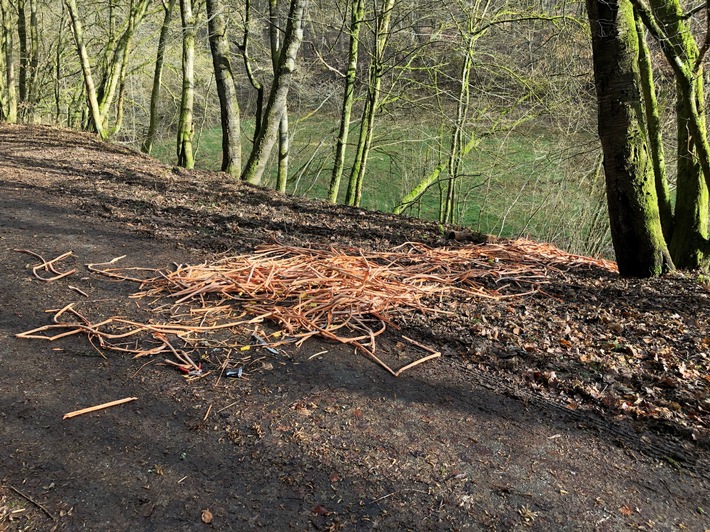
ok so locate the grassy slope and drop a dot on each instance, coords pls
(526, 183)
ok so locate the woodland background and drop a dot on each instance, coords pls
(486, 110)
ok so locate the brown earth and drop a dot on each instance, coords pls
(583, 406)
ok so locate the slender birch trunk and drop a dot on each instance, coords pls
(77, 30)
(185, 156)
(356, 18)
(254, 170)
(357, 175)
(147, 146)
(274, 41)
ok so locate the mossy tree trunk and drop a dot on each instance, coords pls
(91, 95)
(636, 231)
(667, 22)
(268, 133)
(357, 16)
(383, 18)
(185, 156)
(226, 89)
(655, 139)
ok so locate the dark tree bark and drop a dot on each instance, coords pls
(636, 231)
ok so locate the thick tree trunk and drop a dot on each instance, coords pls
(147, 146)
(78, 31)
(631, 194)
(226, 89)
(254, 170)
(356, 19)
(185, 127)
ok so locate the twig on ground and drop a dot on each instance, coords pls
(30, 499)
(99, 407)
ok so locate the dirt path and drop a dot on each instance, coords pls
(330, 442)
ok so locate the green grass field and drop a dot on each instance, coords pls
(528, 182)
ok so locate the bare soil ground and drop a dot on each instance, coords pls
(583, 406)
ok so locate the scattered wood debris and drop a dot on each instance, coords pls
(346, 295)
(48, 265)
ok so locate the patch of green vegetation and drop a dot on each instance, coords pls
(522, 183)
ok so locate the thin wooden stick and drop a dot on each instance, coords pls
(78, 291)
(38, 505)
(99, 407)
(415, 363)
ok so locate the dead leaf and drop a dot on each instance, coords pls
(320, 510)
(206, 517)
(626, 510)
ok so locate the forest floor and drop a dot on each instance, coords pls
(572, 400)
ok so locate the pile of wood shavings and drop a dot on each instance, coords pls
(346, 295)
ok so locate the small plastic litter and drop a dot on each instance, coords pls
(264, 344)
(236, 373)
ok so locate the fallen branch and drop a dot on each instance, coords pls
(30, 499)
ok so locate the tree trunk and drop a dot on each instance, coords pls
(357, 175)
(186, 127)
(655, 140)
(32, 95)
(10, 110)
(117, 70)
(24, 55)
(254, 170)
(456, 149)
(284, 144)
(78, 31)
(226, 89)
(147, 146)
(274, 40)
(688, 246)
(357, 16)
(255, 83)
(631, 194)
(3, 62)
